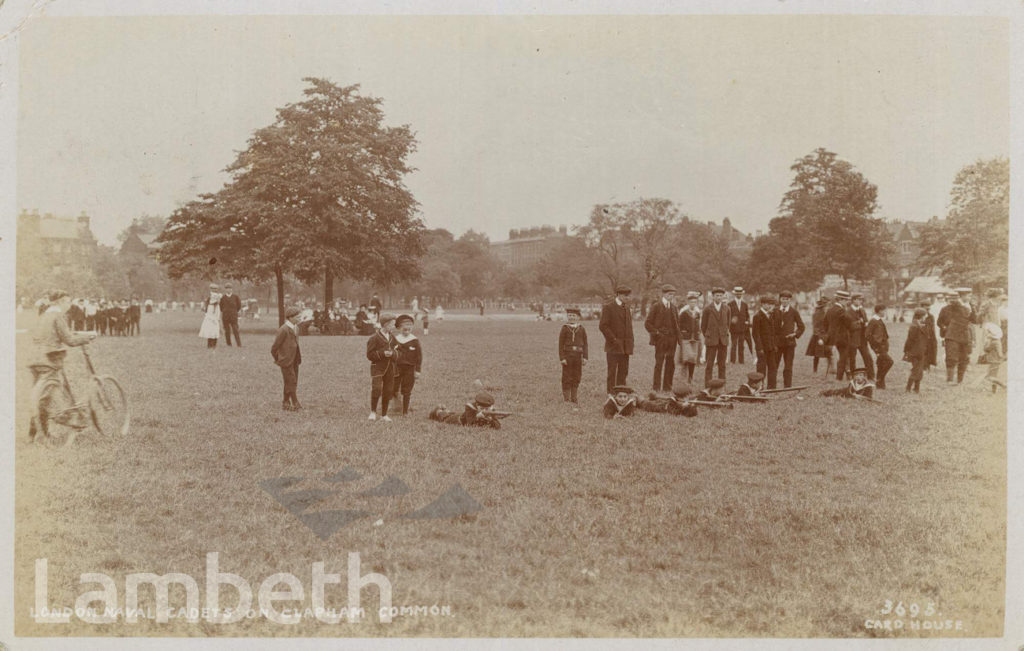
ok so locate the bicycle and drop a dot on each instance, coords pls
(105, 407)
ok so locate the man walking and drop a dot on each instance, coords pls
(791, 328)
(664, 331)
(739, 324)
(714, 323)
(287, 356)
(617, 327)
(230, 306)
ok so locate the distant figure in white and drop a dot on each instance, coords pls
(439, 313)
(210, 328)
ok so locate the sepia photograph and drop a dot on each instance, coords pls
(360, 323)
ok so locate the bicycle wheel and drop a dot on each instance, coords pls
(108, 406)
(50, 402)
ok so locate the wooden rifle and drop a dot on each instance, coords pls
(786, 389)
(733, 396)
(708, 403)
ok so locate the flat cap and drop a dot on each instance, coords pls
(483, 399)
(682, 390)
(666, 288)
(717, 290)
(716, 383)
(623, 289)
(292, 311)
(386, 318)
(785, 294)
(767, 300)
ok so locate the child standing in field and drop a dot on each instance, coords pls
(380, 350)
(572, 353)
(915, 350)
(410, 359)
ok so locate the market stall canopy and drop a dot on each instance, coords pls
(926, 285)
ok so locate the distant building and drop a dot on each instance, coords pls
(906, 238)
(59, 239)
(525, 246)
(139, 242)
(740, 243)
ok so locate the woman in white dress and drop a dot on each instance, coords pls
(439, 313)
(210, 328)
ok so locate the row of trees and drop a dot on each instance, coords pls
(319, 195)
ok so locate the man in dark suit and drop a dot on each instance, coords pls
(714, 323)
(791, 328)
(76, 315)
(380, 351)
(617, 327)
(838, 334)
(856, 322)
(954, 323)
(739, 324)
(878, 338)
(286, 354)
(765, 329)
(664, 331)
(230, 306)
(134, 317)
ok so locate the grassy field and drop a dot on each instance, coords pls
(798, 519)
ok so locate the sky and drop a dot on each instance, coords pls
(520, 121)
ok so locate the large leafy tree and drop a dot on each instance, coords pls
(826, 225)
(972, 246)
(319, 194)
(633, 239)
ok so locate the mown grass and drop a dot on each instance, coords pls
(798, 518)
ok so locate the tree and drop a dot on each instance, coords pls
(571, 270)
(972, 246)
(319, 194)
(639, 232)
(778, 261)
(825, 225)
(478, 270)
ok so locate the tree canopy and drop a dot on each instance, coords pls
(825, 226)
(319, 194)
(972, 246)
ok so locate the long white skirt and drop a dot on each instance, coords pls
(210, 329)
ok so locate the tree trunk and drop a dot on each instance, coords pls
(328, 288)
(279, 276)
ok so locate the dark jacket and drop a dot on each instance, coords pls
(856, 319)
(661, 324)
(230, 306)
(689, 325)
(739, 317)
(409, 353)
(878, 336)
(765, 332)
(572, 342)
(617, 327)
(916, 345)
(790, 326)
(715, 325)
(285, 350)
(380, 364)
(955, 322)
(835, 326)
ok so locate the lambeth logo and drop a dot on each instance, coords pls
(306, 497)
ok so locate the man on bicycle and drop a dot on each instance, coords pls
(53, 337)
